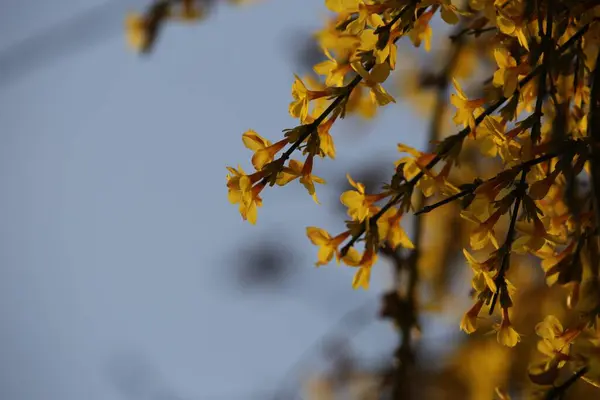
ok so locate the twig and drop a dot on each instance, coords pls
(475, 184)
(558, 391)
(506, 248)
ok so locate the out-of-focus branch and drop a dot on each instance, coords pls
(401, 305)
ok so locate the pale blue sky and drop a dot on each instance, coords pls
(115, 227)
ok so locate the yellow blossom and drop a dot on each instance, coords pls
(243, 191)
(507, 74)
(333, 71)
(506, 334)
(364, 263)
(483, 277)
(373, 80)
(422, 31)
(302, 96)
(468, 324)
(391, 231)
(264, 151)
(358, 202)
(343, 6)
(465, 108)
(136, 29)
(328, 246)
(297, 169)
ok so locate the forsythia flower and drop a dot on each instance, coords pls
(507, 335)
(297, 169)
(359, 204)
(483, 277)
(465, 108)
(243, 191)
(422, 31)
(264, 151)
(364, 263)
(136, 29)
(365, 16)
(468, 324)
(343, 6)
(415, 165)
(302, 96)
(507, 74)
(509, 26)
(390, 230)
(373, 79)
(328, 246)
(333, 71)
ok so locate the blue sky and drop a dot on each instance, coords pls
(115, 228)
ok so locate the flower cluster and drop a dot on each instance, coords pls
(533, 126)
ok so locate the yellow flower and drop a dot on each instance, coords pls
(136, 31)
(343, 6)
(328, 246)
(483, 277)
(556, 341)
(422, 31)
(365, 16)
(534, 236)
(373, 79)
(342, 43)
(468, 323)
(297, 169)
(415, 165)
(512, 26)
(364, 263)
(333, 71)
(326, 144)
(361, 103)
(302, 96)
(391, 231)
(507, 335)
(507, 74)
(481, 235)
(540, 189)
(264, 151)
(370, 41)
(359, 203)
(465, 108)
(243, 191)
(549, 328)
(490, 136)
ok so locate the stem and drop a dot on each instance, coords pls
(505, 263)
(475, 184)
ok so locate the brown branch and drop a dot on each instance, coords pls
(510, 235)
(558, 391)
(471, 187)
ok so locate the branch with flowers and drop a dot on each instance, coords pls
(535, 123)
(362, 39)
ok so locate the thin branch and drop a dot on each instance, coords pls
(510, 235)
(558, 391)
(475, 184)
